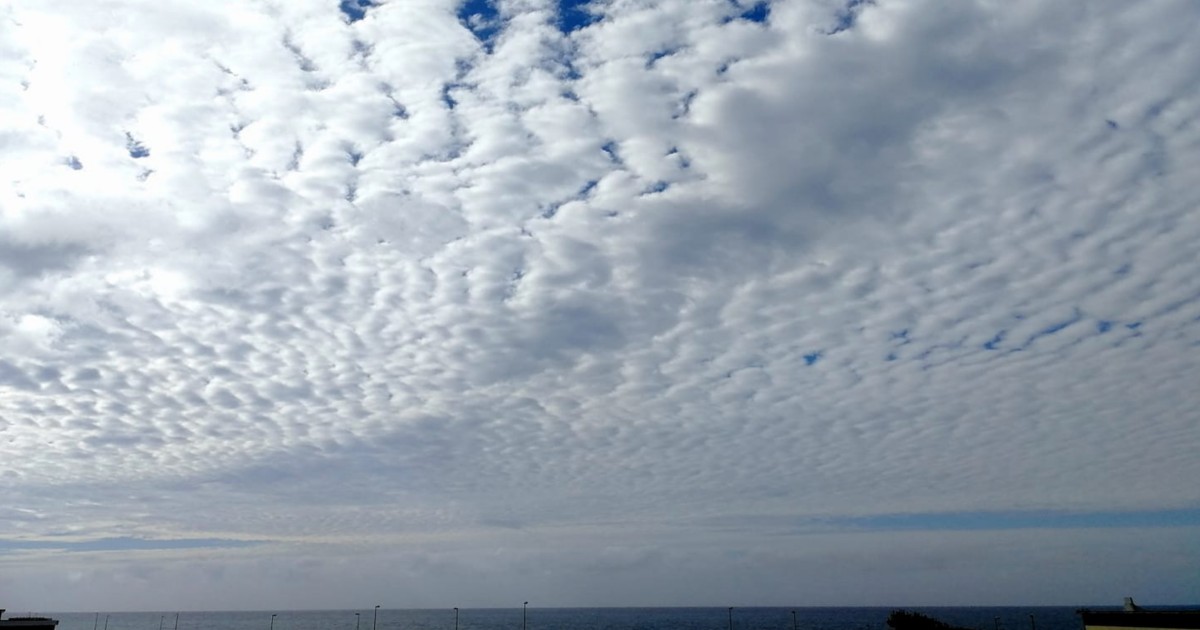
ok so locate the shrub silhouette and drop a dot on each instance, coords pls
(907, 620)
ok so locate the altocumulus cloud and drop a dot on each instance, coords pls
(313, 303)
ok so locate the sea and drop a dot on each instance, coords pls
(977, 618)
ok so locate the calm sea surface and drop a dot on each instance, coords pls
(1007, 618)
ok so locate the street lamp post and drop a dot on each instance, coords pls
(731, 618)
(357, 619)
(160, 621)
(456, 618)
(105, 622)
(996, 622)
(176, 621)
(375, 621)
(524, 608)
(273, 621)
(1032, 624)
(794, 626)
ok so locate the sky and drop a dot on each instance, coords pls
(431, 303)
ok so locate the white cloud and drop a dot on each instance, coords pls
(271, 275)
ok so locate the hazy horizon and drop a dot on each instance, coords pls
(722, 607)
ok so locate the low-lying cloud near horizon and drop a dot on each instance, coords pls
(629, 302)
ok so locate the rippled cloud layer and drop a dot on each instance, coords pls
(621, 302)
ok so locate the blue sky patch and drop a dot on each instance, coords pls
(447, 99)
(685, 105)
(656, 187)
(570, 72)
(552, 209)
(355, 10)
(659, 54)
(848, 16)
(1053, 328)
(682, 159)
(610, 148)
(573, 15)
(1075, 318)
(759, 13)
(482, 18)
(398, 109)
(136, 149)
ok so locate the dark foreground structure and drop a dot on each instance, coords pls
(1135, 617)
(26, 623)
(906, 620)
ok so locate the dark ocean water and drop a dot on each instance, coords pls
(981, 618)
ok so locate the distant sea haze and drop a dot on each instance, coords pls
(713, 618)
